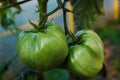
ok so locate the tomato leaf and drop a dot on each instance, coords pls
(56, 74)
(27, 74)
(87, 12)
(111, 33)
(4, 67)
(7, 18)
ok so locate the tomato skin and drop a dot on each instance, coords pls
(86, 58)
(43, 50)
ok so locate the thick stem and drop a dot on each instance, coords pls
(42, 8)
(65, 19)
(65, 22)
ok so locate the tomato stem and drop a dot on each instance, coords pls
(42, 8)
(65, 19)
(77, 13)
(43, 15)
(67, 31)
(48, 14)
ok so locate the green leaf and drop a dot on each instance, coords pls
(27, 74)
(87, 12)
(7, 18)
(7, 2)
(56, 74)
(4, 67)
(111, 33)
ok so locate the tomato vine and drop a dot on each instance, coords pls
(43, 15)
(39, 45)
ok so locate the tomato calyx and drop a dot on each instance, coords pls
(76, 40)
(36, 29)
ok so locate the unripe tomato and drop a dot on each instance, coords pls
(43, 50)
(86, 58)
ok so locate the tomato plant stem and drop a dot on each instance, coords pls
(48, 14)
(42, 8)
(77, 13)
(64, 18)
(65, 22)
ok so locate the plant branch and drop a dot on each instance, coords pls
(71, 11)
(48, 14)
(14, 4)
(65, 22)
(65, 18)
(42, 8)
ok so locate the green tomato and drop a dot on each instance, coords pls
(86, 58)
(43, 50)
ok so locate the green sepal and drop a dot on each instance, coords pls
(35, 26)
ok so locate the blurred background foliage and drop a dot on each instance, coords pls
(109, 32)
(7, 15)
(110, 35)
